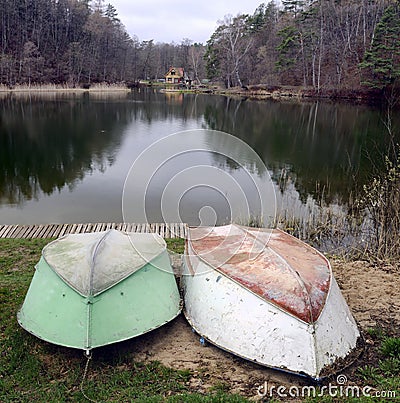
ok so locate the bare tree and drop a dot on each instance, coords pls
(196, 60)
(32, 64)
(232, 41)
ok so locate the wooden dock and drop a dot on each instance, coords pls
(174, 230)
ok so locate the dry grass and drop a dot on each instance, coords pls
(381, 203)
(97, 87)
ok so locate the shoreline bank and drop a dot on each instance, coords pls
(260, 92)
(256, 92)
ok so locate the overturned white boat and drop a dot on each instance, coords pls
(268, 297)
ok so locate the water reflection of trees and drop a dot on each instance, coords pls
(150, 105)
(322, 146)
(45, 146)
(48, 143)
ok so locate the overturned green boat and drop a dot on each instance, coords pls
(94, 289)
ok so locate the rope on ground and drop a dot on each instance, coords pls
(88, 356)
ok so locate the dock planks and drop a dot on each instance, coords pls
(174, 230)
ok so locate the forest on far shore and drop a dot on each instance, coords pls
(317, 44)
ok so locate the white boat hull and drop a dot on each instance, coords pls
(232, 317)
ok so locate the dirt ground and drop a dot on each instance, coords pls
(373, 294)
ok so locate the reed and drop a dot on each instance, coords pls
(381, 203)
(325, 228)
(367, 228)
(96, 87)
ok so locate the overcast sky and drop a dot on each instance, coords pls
(171, 21)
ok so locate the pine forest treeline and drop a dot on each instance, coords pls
(318, 44)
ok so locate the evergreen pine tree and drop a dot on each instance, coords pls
(381, 64)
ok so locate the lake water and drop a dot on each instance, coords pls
(65, 158)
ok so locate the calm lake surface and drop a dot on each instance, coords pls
(64, 158)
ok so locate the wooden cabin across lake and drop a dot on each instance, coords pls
(176, 75)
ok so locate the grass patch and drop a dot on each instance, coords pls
(384, 373)
(376, 332)
(176, 245)
(33, 370)
(391, 347)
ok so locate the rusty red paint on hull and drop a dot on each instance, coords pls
(270, 263)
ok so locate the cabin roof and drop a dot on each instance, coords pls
(179, 71)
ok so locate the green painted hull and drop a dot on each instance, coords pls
(55, 312)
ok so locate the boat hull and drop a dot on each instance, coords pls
(238, 320)
(143, 301)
